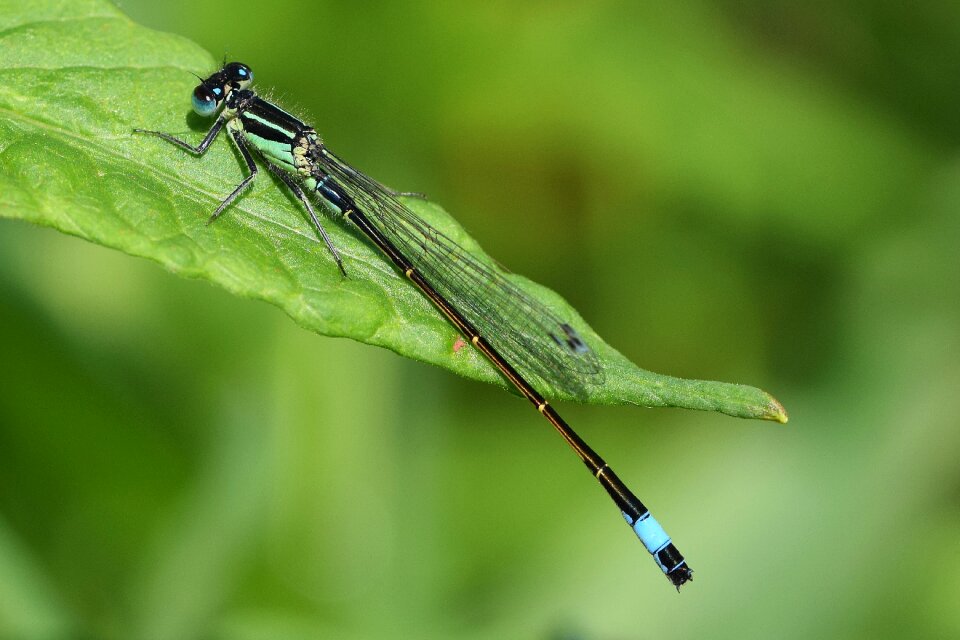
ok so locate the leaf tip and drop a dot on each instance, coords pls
(775, 411)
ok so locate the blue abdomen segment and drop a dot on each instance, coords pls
(334, 194)
(650, 532)
(658, 544)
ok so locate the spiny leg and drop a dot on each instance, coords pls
(298, 191)
(251, 165)
(200, 148)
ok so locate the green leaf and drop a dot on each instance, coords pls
(77, 77)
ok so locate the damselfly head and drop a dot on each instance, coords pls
(210, 93)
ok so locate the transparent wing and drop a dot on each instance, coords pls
(524, 331)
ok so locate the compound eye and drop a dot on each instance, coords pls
(206, 100)
(239, 73)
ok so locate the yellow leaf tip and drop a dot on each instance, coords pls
(775, 411)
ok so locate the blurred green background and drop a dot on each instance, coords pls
(757, 192)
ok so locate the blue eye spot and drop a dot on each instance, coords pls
(217, 91)
(203, 102)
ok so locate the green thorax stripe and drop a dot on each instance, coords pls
(270, 122)
(271, 130)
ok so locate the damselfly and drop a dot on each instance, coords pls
(527, 342)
